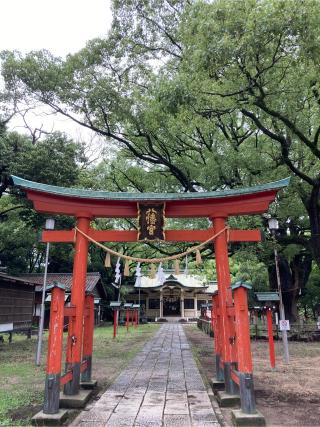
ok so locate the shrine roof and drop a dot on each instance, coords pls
(183, 280)
(64, 278)
(126, 196)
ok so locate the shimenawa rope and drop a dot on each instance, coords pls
(153, 260)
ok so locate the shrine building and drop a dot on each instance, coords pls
(180, 295)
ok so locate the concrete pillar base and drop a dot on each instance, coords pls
(226, 400)
(42, 419)
(230, 386)
(86, 375)
(51, 394)
(248, 402)
(241, 419)
(219, 370)
(72, 387)
(75, 401)
(216, 384)
(89, 385)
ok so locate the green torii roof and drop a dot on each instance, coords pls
(267, 296)
(105, 195)
(241, 283)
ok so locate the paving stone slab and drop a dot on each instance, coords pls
(161, 386)
(176, 408)
(92, 424)
(97, 416)
(153, 398)
(205, 424)
(203, 416)
(176, 421)
(148, 422)
(117, 420)
(177, 396)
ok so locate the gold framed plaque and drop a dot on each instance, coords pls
(151, 221)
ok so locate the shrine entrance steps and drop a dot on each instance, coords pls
(162, 386)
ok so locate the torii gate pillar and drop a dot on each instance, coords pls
(75, 330)
(225, 302)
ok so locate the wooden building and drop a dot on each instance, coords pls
(17, 297)
(93, 285)
(180, 296)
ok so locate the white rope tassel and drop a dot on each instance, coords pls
(160, 275)
(117, 271)
(198, 257)
(107, 261)
(138, 276)
(176, 267)
(153, 271)
(186, 272)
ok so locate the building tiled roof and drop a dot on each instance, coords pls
(184, 280)
(64, 278)
(25, 281)
(212, 288)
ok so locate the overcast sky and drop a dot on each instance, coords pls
(60, 26)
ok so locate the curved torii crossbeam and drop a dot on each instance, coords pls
(231, 327)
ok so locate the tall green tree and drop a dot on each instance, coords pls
(262, 63)
(53, 160)
(202, 96)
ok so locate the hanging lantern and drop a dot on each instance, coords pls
(107, 261)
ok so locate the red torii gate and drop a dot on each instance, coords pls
(232, 337)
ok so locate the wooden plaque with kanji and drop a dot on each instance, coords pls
(151, 221)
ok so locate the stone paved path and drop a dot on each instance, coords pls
(161, 386)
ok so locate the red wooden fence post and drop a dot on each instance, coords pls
(242, 325)
(127, 307)
(115, 313)
(136, 320)
(88, 337)
(115, 306)
(127, 319)
(75, 330)
(53, 371)
(270, 336)
(211, 314)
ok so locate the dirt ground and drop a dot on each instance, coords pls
(289, 395)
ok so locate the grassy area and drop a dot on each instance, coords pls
(22, 383)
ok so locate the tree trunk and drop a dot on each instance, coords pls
(4, 179)
(293, 277)
(313, 209)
